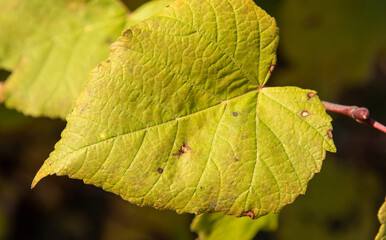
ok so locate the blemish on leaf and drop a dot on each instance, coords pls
(244, 136)
(108, 61)
(272, 68)
(102, 135)
(249, 213)
(304, 114)
(311, 94)
(160, 170)
(201, 187)
(167, 6)
(329, 133)
(183, 149)
(235, 114)
(236, 159)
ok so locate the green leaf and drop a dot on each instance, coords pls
(51, 46)
(382, 219)
(178, 117)
(146, 10)
(219, 226)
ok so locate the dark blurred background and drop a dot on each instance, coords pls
(337, 47)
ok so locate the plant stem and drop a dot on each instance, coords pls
(359, 114)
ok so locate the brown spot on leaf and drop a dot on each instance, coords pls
(183, 149)
(245, 136)
(329, 133)
(167, 6)
(160, 170)
(272, 68)
(249, 213)
(236, 159)
(311, 94)
(108, 61)
(304, 114)
(235, 114)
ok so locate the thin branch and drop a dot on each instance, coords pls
(359, 114)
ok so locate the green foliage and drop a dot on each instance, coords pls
(178, 117)
(51, 46)
(53, 50)
(382, 219)
(146, 10)
(219, 226)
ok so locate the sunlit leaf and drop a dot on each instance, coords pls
(53, 45)
(382, 219)
(178, 116)
(146, 10)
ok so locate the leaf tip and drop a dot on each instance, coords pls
(39, 176)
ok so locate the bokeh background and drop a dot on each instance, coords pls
(337, 47)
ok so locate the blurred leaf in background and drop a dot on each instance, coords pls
(51, 46)
(146, 10)
(217, 226)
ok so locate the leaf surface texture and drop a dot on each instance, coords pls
(178, 116)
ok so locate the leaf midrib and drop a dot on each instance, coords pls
(155, 125)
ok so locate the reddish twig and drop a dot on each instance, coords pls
(359, 114)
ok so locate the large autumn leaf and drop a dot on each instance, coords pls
(178, 117)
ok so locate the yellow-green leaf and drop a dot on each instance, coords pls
(217, 226)
(382, 219)
(146, 10)
(51, 46)
(178, 117)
